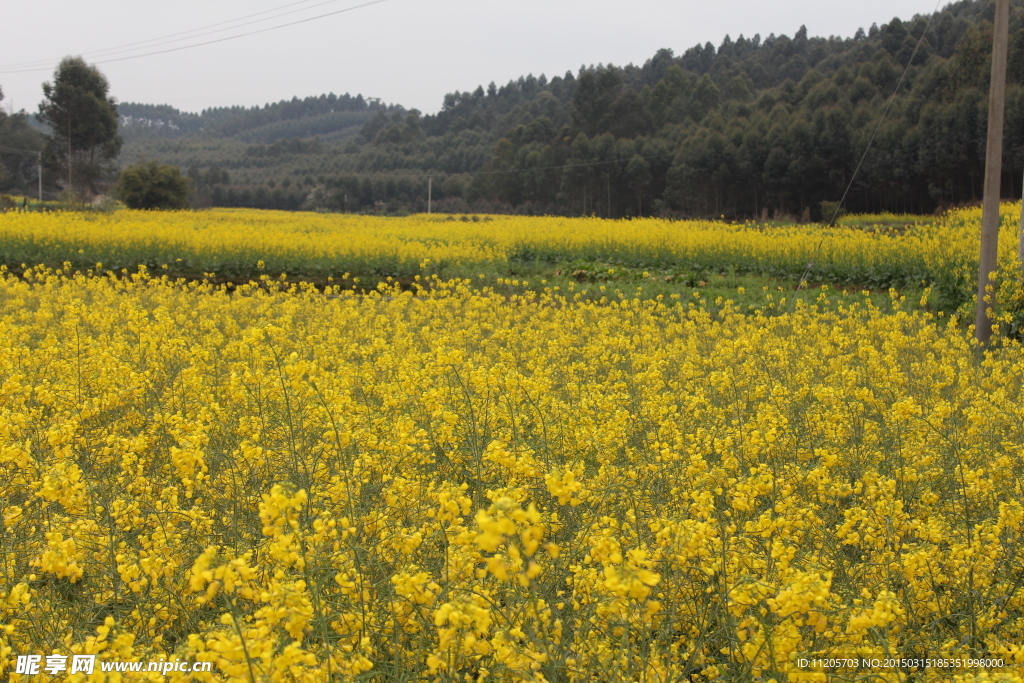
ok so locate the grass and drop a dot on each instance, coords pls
(586, 282)
(592, 281)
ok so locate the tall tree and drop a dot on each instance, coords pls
(638, 178)
(19, 142)
(4, 173)
(83, 141)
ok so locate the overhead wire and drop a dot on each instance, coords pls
(867, 148)
(603, 162)
(11, 150)
(218, 40)
(101, 52)
(423, 174)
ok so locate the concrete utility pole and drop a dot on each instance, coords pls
(430, 191)
(39, 164)
(993, 170)
(1020, 245)
(69, 155)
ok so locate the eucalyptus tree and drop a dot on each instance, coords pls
(83, 141)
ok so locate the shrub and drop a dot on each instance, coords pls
(150, 185)
(830, 209)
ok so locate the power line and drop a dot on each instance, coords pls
(577, 165)
(93, 53)
(8, 150)
(835, 214)
(421, 174)
(218, 40)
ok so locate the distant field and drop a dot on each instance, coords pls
(874, 251)
(701, 261)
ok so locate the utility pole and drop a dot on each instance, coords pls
(430, 191)
(39, 166)
(993, 171)
(608, 179)
(69, 154)
(1020, 246)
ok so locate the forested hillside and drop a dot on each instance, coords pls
(757, 126)
(329, 115)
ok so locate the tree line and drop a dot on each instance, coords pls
(767, 127)
(753, 127)
(295, 118)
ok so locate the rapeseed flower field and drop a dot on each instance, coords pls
(251, 242)
(451, 484)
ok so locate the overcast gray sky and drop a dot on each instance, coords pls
(409, 52)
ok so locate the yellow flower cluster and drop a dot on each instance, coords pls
(247, 242)
(461, 486)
